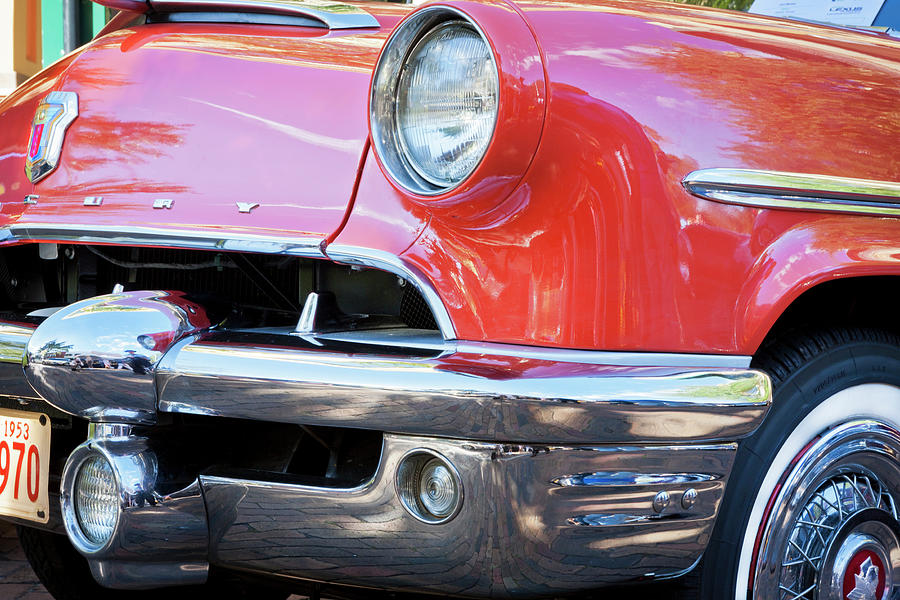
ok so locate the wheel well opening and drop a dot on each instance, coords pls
(862, 302)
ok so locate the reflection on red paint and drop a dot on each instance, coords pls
(576, 232)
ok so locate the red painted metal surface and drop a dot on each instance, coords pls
(574, 231)
(606, 250)
(16, 114)
(209, 116)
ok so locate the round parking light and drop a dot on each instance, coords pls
(429, 487)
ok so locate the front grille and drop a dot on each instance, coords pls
(414, 310)
(215, 274)
(243, 290)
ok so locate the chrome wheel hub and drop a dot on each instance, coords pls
(833, 531)
(858, 562)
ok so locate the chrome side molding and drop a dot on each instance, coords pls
(795, 191)
(331, 13)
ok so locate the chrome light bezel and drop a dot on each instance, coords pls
(415, 459)
(77, 536)
(135, 471)
(386, 140)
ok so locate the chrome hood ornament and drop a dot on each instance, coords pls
(48, 129)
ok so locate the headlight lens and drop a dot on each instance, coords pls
(434, 101)
(447, 103)
(96, 500)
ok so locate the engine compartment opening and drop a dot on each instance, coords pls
(245, 290)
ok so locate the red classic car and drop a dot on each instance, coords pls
(481, 298)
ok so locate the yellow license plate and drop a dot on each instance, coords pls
(24, 465)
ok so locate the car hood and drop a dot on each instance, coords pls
(256, 129)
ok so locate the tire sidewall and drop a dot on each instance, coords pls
(821, 391)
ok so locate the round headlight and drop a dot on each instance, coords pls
(96, 500)
(434, 101)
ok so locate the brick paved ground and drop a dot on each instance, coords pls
(17, 580)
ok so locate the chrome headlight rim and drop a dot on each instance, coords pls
(389, 146)
(81, 455)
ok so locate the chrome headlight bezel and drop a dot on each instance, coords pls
(134, 470)
(383, 99)
(70, 514)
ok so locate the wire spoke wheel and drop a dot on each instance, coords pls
(832, 529)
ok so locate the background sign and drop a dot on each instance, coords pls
(839, 12)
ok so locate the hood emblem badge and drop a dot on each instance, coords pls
(163, 203)
(48, 129)
(246, 207)
(93, 200)
(866, 582)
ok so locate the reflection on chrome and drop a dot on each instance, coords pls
(618, 478)
(797, 191)
(605, 520)
(97, 358)
(291, 380)
(516, 532)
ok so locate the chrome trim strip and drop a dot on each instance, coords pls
(332, 13)
(517, 533)
(795, 191)
(422, 339)
(480, 396)
(158, 236)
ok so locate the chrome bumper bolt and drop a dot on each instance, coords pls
(689, 498)
(661, 501)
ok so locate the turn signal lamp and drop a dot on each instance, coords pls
(429, 487)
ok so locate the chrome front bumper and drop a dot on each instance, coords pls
(578, 468)
(535, 520)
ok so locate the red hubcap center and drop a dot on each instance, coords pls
(864, 577)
